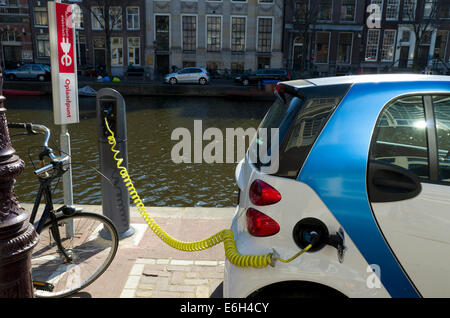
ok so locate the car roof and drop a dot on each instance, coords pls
(356, 79)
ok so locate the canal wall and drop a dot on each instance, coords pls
(154, 89)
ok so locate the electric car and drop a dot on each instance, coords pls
(359, 167)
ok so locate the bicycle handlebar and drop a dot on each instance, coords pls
(34, 129)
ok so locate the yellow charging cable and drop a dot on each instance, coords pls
(226, 236)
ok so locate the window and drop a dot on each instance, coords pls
(97, 18)
(78, 17)
(264, 35)
(134, 49)
(428, 9)
(43, 45)
(387, 51)
(322, 45)
(133, 21)
(405, 36)
(189, 33)
(237, 67)
(345, 48)
(162, 32)
(325, 9)
(300, 122)
(444, 10)
(442, 115)
(214, 33)
(301, 9)
(116, 51)
(263, 62)
(379, 3)
(212, 66)
(187, 64)
(409, 9)
(401, 136)
(392, 7)
(115, 18)
(441, 45)
(373, 37)
(265, 1)
(348, 10)
(11, 36)
(238, 34)
(40, 16)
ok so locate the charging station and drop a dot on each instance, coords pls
(115, 197)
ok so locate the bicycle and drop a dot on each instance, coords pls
(75, 247)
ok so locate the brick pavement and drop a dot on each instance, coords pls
(173, 278)
(146, 267)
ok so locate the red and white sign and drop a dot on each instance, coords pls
(63, 60)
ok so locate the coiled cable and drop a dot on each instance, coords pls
(226, 236)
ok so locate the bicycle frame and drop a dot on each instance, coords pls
(49, 212)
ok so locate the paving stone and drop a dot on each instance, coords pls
(149, 280)
(192, 275)
(166, 294)
(181, 262)
(178, 278)
(144, 293)
(211, 274)
(173, 268)
(154, 267)
(162, 283)
(182, 288)
(202, 292)
(196, 281)
(206, 263)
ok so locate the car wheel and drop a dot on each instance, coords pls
(202, 81)
(245, 82)
(172, 81)
(41, 78)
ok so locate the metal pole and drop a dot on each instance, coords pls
(67, 177)
(17, 236)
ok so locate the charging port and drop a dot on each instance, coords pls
(108, 109)
(311, 231)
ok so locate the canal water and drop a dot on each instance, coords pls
(150, 122)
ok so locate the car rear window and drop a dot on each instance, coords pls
(300, 119)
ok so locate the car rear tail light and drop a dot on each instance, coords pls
(263, 194)
(207, 74)
(259, 224)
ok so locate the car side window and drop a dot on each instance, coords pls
(36, 68)
(400, 136)
(442, 115)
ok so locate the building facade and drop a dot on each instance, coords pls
(126, 36)
(336, 37)
(15, 33)
(226, 34)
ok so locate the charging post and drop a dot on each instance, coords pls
(115, 198)
(64, 83)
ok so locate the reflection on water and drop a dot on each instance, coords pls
(150, 122)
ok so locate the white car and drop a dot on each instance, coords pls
(193, 75)
(364, 169)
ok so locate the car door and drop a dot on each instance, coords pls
(24, 71)
(194, 75)
(183, 75)
(409, 188)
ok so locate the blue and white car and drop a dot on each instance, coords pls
(364, 169)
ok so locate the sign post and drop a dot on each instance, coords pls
(64, 79)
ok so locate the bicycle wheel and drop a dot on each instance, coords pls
(92, 245)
